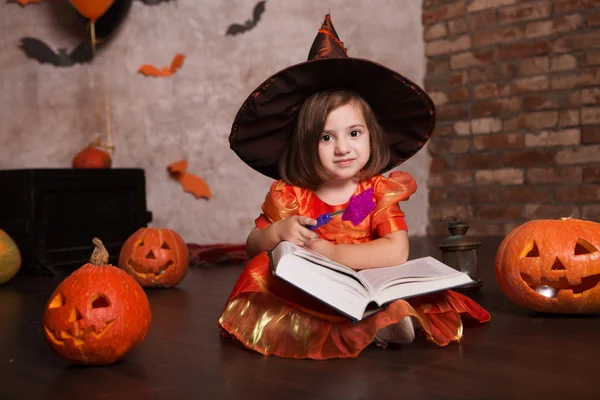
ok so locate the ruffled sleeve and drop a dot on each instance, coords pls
(280, 203)
(388, 217)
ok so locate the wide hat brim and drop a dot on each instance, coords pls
(267, 119)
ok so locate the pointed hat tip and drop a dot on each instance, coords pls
(327, 44)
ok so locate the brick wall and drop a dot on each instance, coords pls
(517, 90)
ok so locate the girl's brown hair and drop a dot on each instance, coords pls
(300, 164)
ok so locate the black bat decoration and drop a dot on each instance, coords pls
(235, 29)
(38, 50)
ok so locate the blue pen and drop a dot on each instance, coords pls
(324, 218)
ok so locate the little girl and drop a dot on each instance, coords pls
(326, 129)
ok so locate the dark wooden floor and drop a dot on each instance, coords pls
(517, 355)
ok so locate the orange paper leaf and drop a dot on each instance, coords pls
(190, 182)
(151, 70)
(25, 2)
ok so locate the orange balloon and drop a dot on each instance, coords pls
(92, 9)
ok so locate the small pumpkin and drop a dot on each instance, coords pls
(552, 266)
(97, 314)
(155, 257)
(92, 156)
(10, 258)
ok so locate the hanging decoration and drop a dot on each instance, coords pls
(93, 156)
(151, 70)
(191, 183)
(94, 9)
(91, 9)
(235, 29)
(108, 24)
(105, 27)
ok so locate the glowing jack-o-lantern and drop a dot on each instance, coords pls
(97, 314)
(155, 257)
(552, 266)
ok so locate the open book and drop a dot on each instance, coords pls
(359, 294)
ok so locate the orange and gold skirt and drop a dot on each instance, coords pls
(270, 316)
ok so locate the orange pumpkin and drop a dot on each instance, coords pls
(97, 314)
(552, 266)
(10, 258)
(92, 157)
(155, 257)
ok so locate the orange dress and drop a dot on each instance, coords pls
(272, 317)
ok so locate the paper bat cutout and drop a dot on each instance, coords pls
(191, 183)
(38, 50)
(235, 29)
(151, 70)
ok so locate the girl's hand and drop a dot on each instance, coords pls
(323, 247)
(293, 230)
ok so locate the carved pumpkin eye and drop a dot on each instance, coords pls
(165, 246)
(584, 247)
(140, 244)
(531, 250)
(57, 301)
(99, 301)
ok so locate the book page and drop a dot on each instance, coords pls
(310, 255)
(322, 260)
(420, 269)
(417, 288)
(340, 291)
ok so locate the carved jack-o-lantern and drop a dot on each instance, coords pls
(552, 266)
(155, 257)
(97, 314)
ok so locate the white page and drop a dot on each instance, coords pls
(420, 269)
(349, 297)
(412, 289)
(323, 261)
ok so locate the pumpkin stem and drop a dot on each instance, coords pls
(99, 255)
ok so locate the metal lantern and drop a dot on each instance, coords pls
(460, 252)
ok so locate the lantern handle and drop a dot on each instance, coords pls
(450, 220)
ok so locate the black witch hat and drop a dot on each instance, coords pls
(267, 119)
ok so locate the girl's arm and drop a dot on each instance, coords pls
(291, 229)
(389, 250)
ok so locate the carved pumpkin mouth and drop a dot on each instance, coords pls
(144, 273)
(587, 283)
(75, 334)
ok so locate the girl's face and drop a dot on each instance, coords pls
(344, 147)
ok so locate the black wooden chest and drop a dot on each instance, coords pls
(53, 214)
